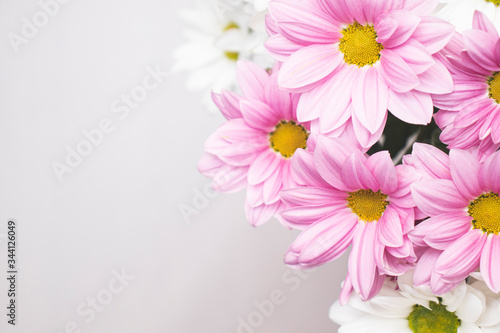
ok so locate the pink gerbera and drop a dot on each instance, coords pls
(462, 200)
(470, 115)
(253, 148)
(353, 60)
(348, 198)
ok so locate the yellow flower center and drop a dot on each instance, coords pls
(287, 137)
(231, 55)
(494, 86)
(485, 213)
(437, 319)
(368, 205)
(359, 45)
(496, 2)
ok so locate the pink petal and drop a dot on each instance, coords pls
(251, 79)
(306, 68)
(281, 48)
(369, 99)
(448, 228)
(482, 22)
(431, 160)
(407, 23)
(230, 179)
(433, 33)
(357, 176)
(364, 137)
(308, 196)
(420, 8)
(424, 267)
(337, 10)
(356, 10)
(413, 107)
(382, 168)
(329, 157)
(429, 226)
(261, 214)
(302, 24)
(436, 80)
(373, 8)
(396, 73)
(238, 131)
(254, 195)
(305, 170)
(461, 258)
(231, 102)
(362, 267)
(263, 167)
(340, 221)
(480, 46)
(489, 174)
(490, 263)
(272, 186)
(437, 196)
(279, 100)
(330, 100)
(209, 164)
(331, 243)
(241, 154)
(259, 115)
(389, 228)
(465, 173)
(415, 55)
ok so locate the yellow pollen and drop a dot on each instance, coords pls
(287, 137)
(496, 2)
(494, 87)
(359, 45)
(231, 55)
(368, 205)
(485, 213)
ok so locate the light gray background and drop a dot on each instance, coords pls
(119, 209)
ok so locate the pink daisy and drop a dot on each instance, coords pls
(348, 198)
(462, 200)
(470, 114)
(353, 60)
(253, 148)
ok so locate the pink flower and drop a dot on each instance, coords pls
(253, 148)
(462, 200)
(348, 198)
(353, 60)
(470, 114)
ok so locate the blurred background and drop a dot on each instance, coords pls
(116, 230)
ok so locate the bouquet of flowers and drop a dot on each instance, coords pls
(375, 126)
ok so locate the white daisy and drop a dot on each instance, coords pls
(460, 12)
(401, 307)
(218, 36)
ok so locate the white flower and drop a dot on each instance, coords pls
(401, 307)
(218, 36)
(460, 12)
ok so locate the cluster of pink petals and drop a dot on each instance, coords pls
(239, 155)
(320, 208)
(305, 36)
(469, 117)
(448, 245)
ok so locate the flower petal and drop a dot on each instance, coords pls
(465, 172)
(437, 196)
(306, 68)
(413, 107)
(490, 263)
(396, 73)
